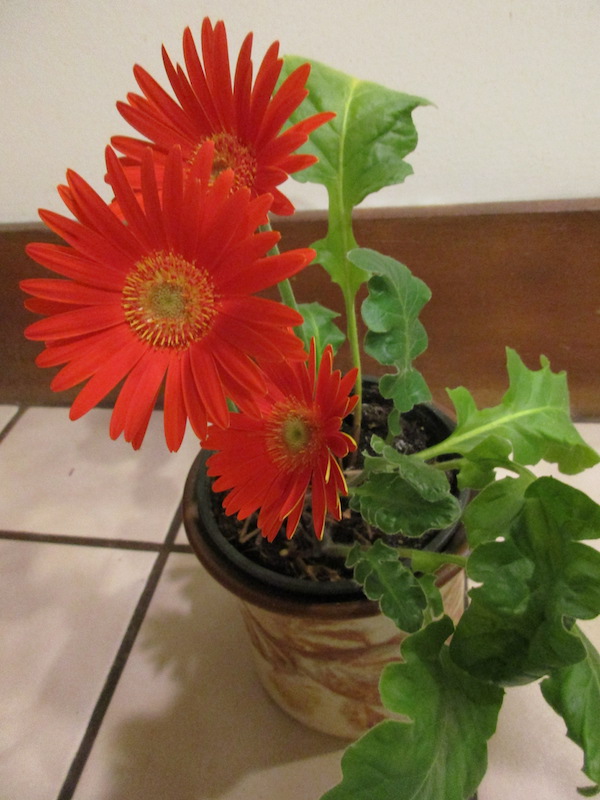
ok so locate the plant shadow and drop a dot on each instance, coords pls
(210, 729)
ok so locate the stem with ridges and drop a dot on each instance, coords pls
(286, 291)
(340, 221)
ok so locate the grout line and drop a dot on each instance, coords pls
(81, 541)
(182, 548)
(120, 660)
(12, 422)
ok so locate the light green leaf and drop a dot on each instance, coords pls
(479, 465)
(363, 148)
(534, 417)
(442, 751)
(574, 693)
(395, 335)
(359, 152)
(332, 255)
(318, 324)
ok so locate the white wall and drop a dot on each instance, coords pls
(515, 82)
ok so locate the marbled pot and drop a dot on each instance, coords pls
(319, 648)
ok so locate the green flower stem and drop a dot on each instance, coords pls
(353, 341)
(286, 291)
(341, 241)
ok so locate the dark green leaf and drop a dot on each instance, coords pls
(518, 625)
(574, 693)
(392, 504)
(395, 335)
(576, 513)
(431, 484)
(491, 513)
(388, 581)
(442, 751)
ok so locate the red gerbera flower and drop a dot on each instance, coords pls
(169, 294)
(270, 461)
(243, 120)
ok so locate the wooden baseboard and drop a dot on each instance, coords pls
(523, 275)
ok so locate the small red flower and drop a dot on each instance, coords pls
(244, 120)
(167, 296)
(270, 461)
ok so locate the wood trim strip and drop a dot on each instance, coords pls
(524, 275)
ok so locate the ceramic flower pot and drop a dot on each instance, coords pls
(319, 647)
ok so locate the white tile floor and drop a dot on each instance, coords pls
(124, 669)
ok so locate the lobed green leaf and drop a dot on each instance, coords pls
(395, 334)
(518, 626)
(492, 511)
(442, 751)
(393, 504)
(364, 147)
(533, 416)
(318, 324)
(388, 581)
(359, 152)
(574, 693)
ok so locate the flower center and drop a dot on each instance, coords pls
(230, 153)
(168, 301)
(293, 434)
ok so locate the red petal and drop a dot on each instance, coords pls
(106, 378)
(75, 323)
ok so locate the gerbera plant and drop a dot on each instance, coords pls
(293, 443)
(244, 119)
(159, 290)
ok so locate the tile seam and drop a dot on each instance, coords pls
(7, 428)
(119, 662)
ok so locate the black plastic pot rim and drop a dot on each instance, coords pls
(269, 589)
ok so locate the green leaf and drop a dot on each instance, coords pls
(402, 495)
(572, 510)
(442, 751)
(491, 513)
(318, 324)
(364, 147)
(518, 626)
(479, 465)
(395, 335)
(359, 152)
(574, 693)
(388, 581)
(332, 255)
(431, 484)
(534, 417)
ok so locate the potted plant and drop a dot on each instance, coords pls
(161, 292)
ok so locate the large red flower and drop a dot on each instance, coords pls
(270, 461)
(244, 120)
(167, 295)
